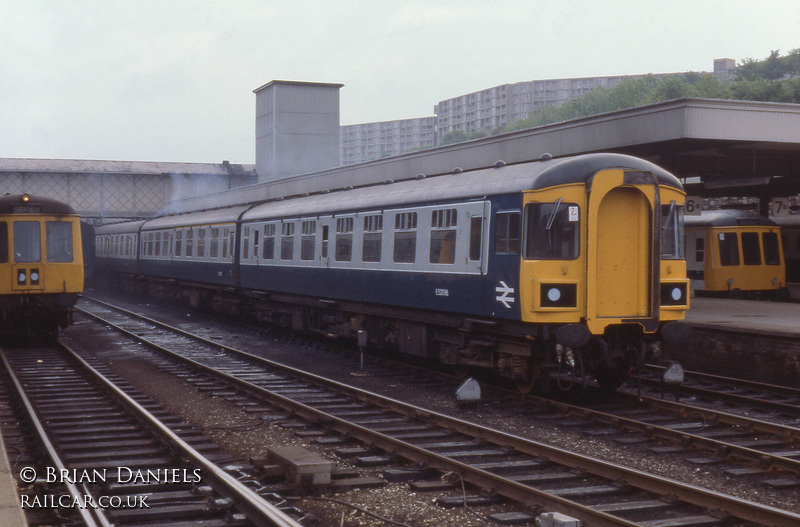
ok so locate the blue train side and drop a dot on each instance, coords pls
(486, 268)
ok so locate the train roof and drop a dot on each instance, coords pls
(474, 184)
(207, 217)
(33, 204)
(122, 227)
(727, 218)
(792, 220)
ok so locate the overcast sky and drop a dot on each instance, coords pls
(173, 80)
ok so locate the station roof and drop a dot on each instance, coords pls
(718, 147)
(78, 166)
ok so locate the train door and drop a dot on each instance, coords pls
(696, 257)
(620, 268)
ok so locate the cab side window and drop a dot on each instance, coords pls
(506, 232)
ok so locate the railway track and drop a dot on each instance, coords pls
(109, 456)
(530, 473)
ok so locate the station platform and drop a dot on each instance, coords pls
(777, 319)
(11, 513)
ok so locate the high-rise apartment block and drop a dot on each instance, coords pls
(489, 109)
(363, 142)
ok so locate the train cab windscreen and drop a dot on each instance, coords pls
(552, 231)
(27, 242)
(59, 241)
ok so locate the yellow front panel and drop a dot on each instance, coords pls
(623, 254)
(52, 277)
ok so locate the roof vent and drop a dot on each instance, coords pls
(499, 163)
(457, 170)
(420, 176)
(388, 181)
(349, 187)
(326, 191)
(545, 157)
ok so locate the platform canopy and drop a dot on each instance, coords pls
(718, 147)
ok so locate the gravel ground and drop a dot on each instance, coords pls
(245, 437)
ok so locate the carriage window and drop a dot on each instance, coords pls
(308, 240)
(344, 239)
(443, 236)
(27, 242)
(178, 236)
(728, 248)
(405, 237)
(672, 247)
(59, 241)
(225, 233)
(287, 241)
(506, 232)
(325, 241)
(158, 244)
(772, 253)
(373, 235)
(201, 243)
(189, 242)
(268, 251)
(552, 231)
(751, 248)
(213, 249)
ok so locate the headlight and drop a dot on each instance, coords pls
(558, 295)
(673, 294)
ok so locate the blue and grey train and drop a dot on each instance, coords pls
(560, 263)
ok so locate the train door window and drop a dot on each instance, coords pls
(224, 233)
(246, 243)
(189, 242)
(344, 239)
(59, 241)
(728, 248)
(672, 246)
(772, 253)
(157, 245)
(507, 232)
(552, 231)
(287, 241)
(699, 250)
(308, 240)
(165, 244)
(268, 249)
(443, 236)
(475, 237)
(751, 248)
(178, 240)
(3, 242)
(325, 230)
(256, 234)
(213, 243)
(405, 237)
(373, 238)
(27, 242)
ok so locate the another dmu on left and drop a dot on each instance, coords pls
(41, 265)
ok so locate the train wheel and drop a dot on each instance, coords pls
(526, 382)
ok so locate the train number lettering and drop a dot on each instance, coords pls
(442, 292)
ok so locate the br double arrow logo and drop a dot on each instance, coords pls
(504, 297)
